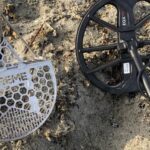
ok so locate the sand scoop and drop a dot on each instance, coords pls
(27, 93)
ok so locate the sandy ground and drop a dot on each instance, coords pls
(85, 118)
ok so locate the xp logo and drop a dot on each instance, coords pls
(7, 80)
(124, 21)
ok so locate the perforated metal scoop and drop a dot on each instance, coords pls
(27, 94)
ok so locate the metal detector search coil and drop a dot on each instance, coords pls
(27, 94)
(115, 63)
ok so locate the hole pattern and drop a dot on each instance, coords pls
(17, 126)
(7, 56)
